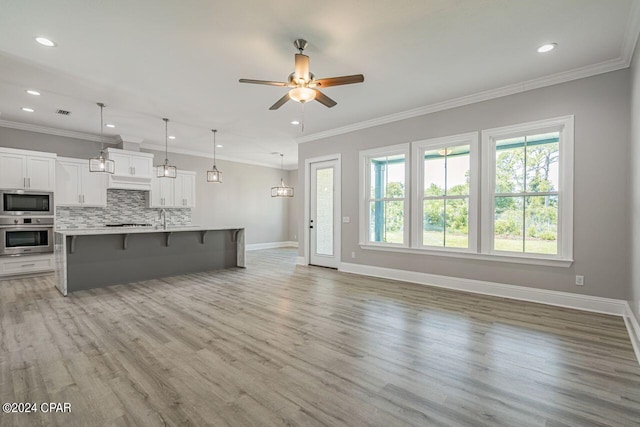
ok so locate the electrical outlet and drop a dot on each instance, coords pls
(353, 254)
(580, 280)
(346, 219)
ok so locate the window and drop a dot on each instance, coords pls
(528, 199)
(522, 212)
(445, 204)
(384, 218)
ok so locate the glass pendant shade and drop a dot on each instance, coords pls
(302, 94)
(102, 164)
(166, 170)
(282, 190)
(214, 175)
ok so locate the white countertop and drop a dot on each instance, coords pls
(136, 230)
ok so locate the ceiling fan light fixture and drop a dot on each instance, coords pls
(302, 94)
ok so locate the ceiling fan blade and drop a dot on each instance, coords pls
(337, 81)
(324, 99)
(280, 102)
(302, 67)
(262, 82)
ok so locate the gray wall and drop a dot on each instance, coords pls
(294, 206)
(634, 294)
(243, 199)
(601, 108)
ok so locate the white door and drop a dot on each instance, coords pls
(123, 164)
(324, 212)
(41, 173)
(68, 184)
(13, 171)
(94, 187)
(141, 166)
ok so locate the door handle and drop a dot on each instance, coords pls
(29, 181)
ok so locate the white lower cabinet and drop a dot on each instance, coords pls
(76, 186)
(179, 192)
(28, 264)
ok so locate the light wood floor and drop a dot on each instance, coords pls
(277, 344)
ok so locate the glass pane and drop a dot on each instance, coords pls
(433, 222)
(324, 211)
(387, 176)
(457, 230)
(16, 239)
(434, 172)
(26, 202)
(510, 165)
(458, 170)
(386, 222)
(508, 224)
(543, 153)
(541, 222)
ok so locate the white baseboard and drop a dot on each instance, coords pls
(271, 245)
(543, 296)
(634, 329)
(300, 261)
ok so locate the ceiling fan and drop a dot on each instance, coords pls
(304, 86)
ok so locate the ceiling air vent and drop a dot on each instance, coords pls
(63, 112)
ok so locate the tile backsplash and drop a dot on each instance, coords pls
(123, 206)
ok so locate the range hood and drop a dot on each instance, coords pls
(133, 170)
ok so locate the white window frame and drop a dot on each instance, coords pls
(365, 191)
(565, 125)
(417, 179)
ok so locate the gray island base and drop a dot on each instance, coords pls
(88, 259)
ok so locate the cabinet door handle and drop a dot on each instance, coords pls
(79, 198)
(83, 198)
(29, 181)
(28, 265)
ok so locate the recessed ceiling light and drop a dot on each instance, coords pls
(110, 125)
(28, 110)
(172, 137)
(219, 146)
(547, 47)
(45, 42)
(33, 92)
(295, 122)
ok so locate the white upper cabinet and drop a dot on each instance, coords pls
(27, 170)
(133, 170)
(185, 195)
(77, 186)
(176, 192)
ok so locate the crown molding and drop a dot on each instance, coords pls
(88, 137)
(632, 32)
(196, 153)
(58, 132)
(553, 79)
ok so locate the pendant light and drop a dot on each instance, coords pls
(165, 170)
(282, 190)
(101, 163)
(214, 175)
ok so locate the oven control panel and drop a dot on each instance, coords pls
(18, 221)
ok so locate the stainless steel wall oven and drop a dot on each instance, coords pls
(25, 236)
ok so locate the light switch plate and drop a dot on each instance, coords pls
(346, 219)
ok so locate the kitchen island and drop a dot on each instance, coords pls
(95, 258)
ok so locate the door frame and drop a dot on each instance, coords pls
(338, 204)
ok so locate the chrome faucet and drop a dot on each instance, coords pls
(163, 218)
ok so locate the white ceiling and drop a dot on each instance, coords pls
(148, 59)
